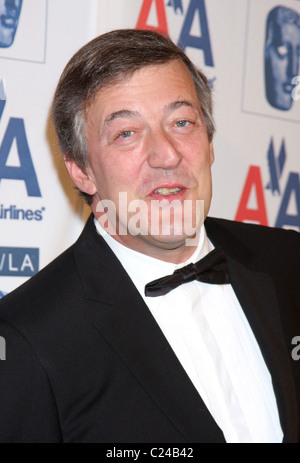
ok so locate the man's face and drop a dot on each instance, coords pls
(9, 16)
(283, 63)
(146, 137)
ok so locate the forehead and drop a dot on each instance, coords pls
(9, 5)
(152, 85)
(291, 33)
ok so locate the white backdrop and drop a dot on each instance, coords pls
(257, 168)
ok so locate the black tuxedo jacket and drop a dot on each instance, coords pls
(86, 361)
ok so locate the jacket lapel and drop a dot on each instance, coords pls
(256, 294)
(120, 315)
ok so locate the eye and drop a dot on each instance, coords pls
(126, 134)
(182, 123)
(282, 50)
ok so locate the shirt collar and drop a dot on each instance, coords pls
(142, 268)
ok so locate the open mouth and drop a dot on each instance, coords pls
(167, 191)
(8, 22)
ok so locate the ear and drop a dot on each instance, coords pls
(211, 153)
(80, 177)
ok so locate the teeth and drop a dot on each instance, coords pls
(167, 191)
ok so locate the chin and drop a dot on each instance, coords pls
(171, 241)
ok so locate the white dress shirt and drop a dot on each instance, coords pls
(209, 333)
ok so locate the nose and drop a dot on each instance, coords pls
(294, 62)
(163, 152)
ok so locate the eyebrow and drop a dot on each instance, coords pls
(128, 113)
(178, 104)
(121, 113)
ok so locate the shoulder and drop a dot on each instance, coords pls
(272, 250)
(44, 289)
(249, 227)
(31, 307)
(247, 233)
(54, 299)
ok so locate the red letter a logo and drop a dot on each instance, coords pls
(161, 16)
(244, 213)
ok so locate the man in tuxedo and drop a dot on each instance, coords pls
(144, 331)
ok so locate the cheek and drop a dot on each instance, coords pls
(119, 175)
(199, 160)
(279, 68)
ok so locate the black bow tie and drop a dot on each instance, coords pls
(211, 269)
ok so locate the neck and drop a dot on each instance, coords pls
(175, 252)
(173, 249)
